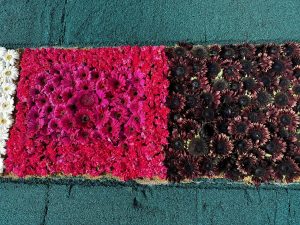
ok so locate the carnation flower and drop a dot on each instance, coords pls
(9, 74)
(84, 118)
(86, 99)
(10, 56)
(117, 82)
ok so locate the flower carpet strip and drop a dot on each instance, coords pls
(234, 112)
(90, 112)
(8, 77)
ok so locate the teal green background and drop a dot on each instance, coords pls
(91, 23)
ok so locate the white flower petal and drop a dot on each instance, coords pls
(7, 89)
(9, 74)
(2, 52)
(11, 56)
(1, 165)
(6, 104)
(5, 121)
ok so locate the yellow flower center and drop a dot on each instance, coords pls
(2, 121)
(8, 73)
(8, 57)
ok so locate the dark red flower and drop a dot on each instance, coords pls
(221, 145)
(287, 169)
(198, 146)
(258, 133)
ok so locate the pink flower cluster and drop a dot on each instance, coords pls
(91, 112)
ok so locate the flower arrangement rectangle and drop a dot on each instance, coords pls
(90, 112)
(234, 112)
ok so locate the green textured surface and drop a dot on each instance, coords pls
(35, 23)
(207, 202)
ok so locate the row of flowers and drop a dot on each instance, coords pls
(180, 113)
(90, 111)
(8, 77)
(234, 112)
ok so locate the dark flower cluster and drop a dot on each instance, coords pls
(234, 112)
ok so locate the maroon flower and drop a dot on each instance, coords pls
(231, 70)
(221, 145)
(291, 49)
(246, 163)
(238, 128)
(287, 169)
(200, 52)
(246, 51)
(198, 147)
(287, 118)
(275, 148)
(258, 133)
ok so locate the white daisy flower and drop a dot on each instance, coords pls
(2, 52)
(3, 133)
(2, 65)
(2, 147)
(1, 165)
(10, 73)
(5, 121)
(6, 104)
(11, 56)
(8, 89)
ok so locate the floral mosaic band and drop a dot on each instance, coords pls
(175, 113)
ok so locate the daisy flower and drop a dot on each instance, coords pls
(2, 52)
(9, 73)
(10, 56)
(8, 88)
(2, 147)
(5, 120)
(6, 104)
(1, 165)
